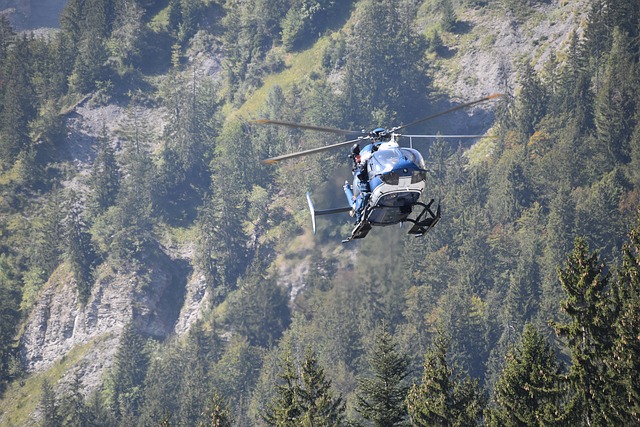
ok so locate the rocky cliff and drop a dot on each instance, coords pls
(151, 299)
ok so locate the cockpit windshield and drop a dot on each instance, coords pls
(384, 160)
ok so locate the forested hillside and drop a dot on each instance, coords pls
(154, 272)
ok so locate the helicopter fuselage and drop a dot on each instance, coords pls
(395, 182)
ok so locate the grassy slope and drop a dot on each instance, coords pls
(20, 402)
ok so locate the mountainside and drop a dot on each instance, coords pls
(153, 270)
(33, 14)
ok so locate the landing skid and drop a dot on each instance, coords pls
(360, 230)
(421, 224)
(426, 220)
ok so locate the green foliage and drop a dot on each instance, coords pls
(592, 310)
(73, 411)
(448, 20)
(381, 396)
(217, 414)
(376, 93)
(127, 36)
(78, 251)
(18, 103)
(105, 176)
(236, 372)
(124, 385)
(258, 308)
(304, 396)
(530, 102)
(444, 397)
(162, 383)
(624, 361)
(530, 390)
(49, 406)
(190, 137)
(46, 235)
(89, 65)
(564, 162)
(9, 316)
(615, 101)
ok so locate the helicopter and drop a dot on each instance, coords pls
(388, 180)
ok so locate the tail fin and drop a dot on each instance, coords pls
(313, 212)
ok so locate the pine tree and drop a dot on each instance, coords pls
(615, 101)
(530, 102)
(71, 20)
(96, 410)
(633, 168)
(592, 310)
(216, 413)
(374, 94)
(321, 408)
(529, 391)
(132, 218)
(285, 410)
(10, 295)
(448, 20)
(304, 397)
(222, 249)
(18, 101)
(49, 406)
(626, 351)
(162, 383)
(196, 360)
(444, 397)
(124, 384)
(381, 397)
(105, 176)
(89, 66)
(7, 35)
(598, 34)
(73, 410)
(259, 308)
(78, 251)
(559, 234)
(126, 37)
(48, 235)
(97, 16)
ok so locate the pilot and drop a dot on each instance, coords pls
(355, 156)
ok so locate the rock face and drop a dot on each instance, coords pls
(151, 300)
(196, 301)
(166, 298)
(32, 14)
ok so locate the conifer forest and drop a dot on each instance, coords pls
(154, 272)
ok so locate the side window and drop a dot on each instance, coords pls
(414, 156)
(374, 166)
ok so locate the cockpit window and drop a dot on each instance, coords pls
(414, 156)
(383, 161)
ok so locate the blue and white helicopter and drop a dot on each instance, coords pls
(388, 180)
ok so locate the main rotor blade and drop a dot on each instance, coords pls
(449, 136)
(451, 110)
(311, 151)
(301, 126)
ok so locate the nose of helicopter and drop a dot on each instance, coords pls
(404, 167)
